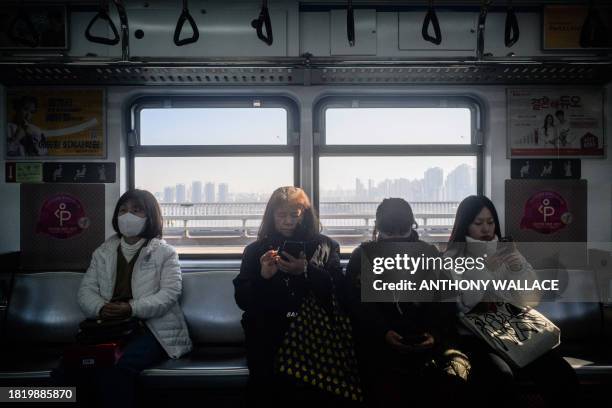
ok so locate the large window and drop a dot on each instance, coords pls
(425, 150)
(212, 163)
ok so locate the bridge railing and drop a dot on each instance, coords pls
(339, 219)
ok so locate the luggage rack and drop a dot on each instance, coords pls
(306, 70)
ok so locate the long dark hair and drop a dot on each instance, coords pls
(289, 195)
(394, 216)
(154, 226)
(546, 123)
(467, 211)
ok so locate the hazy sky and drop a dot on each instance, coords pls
(269, 126)
(216, 126)
(398, 126)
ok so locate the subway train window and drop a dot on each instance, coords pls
(421, 149)
(350, 189)
(419, 126)
(211, 204)
(213, 126)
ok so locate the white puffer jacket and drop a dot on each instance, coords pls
(156, 287)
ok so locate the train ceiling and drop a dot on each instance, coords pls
(31, 69)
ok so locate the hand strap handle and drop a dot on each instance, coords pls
(263, 21)
(103, 15)
(185, 16)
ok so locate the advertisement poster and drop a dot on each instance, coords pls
(54, 123)
(542, 211)
(61, 225)
(555, 122)
(33, 26)
(563, 26)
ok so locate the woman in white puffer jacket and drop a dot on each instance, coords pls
(136, 274)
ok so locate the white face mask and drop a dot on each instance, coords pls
(480, 248)
(130, 225)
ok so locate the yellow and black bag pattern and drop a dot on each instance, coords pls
(318, 350)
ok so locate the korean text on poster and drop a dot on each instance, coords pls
(55, 122)
(555, 122)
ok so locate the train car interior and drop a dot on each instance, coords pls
(210, 106)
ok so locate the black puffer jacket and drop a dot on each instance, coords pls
(267, 303)
(371, 321)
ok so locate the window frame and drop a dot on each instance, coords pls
(474, 148)
(135, 149)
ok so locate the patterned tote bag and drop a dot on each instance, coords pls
(318, 350)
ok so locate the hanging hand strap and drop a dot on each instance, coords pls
(261, 21)
(102, 15)
(431, 18)
(31, 40)
(350, 23)
(511, 31)
(185, 16)
(593, 32)
(482, 19)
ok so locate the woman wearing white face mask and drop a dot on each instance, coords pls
(476, 233)
(136, 274)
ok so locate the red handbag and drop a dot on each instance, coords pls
(103, 355)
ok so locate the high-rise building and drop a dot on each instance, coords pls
(433, 182)
(209, 192)
(371, 190)
(460, 183)
(223, 192)
(168, 194)
(181, 193)
(360, 191)
(196, 192)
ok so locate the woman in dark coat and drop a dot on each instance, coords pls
(405, 348)
(271, 287)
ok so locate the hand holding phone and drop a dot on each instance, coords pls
(268, 263)
(293, 248)
(292, 259)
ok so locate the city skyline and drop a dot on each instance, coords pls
(434, 185)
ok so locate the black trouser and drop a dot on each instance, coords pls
(115, 386)
(495, 382)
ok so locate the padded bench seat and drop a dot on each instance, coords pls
(218, 358)
(43, 311)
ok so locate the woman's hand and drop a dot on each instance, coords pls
(116, 310)
(268, 263)
(514, 260)
(509, 255)
(395, 340)
(294, 266)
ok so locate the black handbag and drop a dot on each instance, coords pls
(317, 350)
(98, 331)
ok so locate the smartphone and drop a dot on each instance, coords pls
(507, 246)
(413, 339)
(293, 248)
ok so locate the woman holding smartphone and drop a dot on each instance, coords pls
(405, 348)
(271, 286)
(476, 232)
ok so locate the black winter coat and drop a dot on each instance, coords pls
(268, 303)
